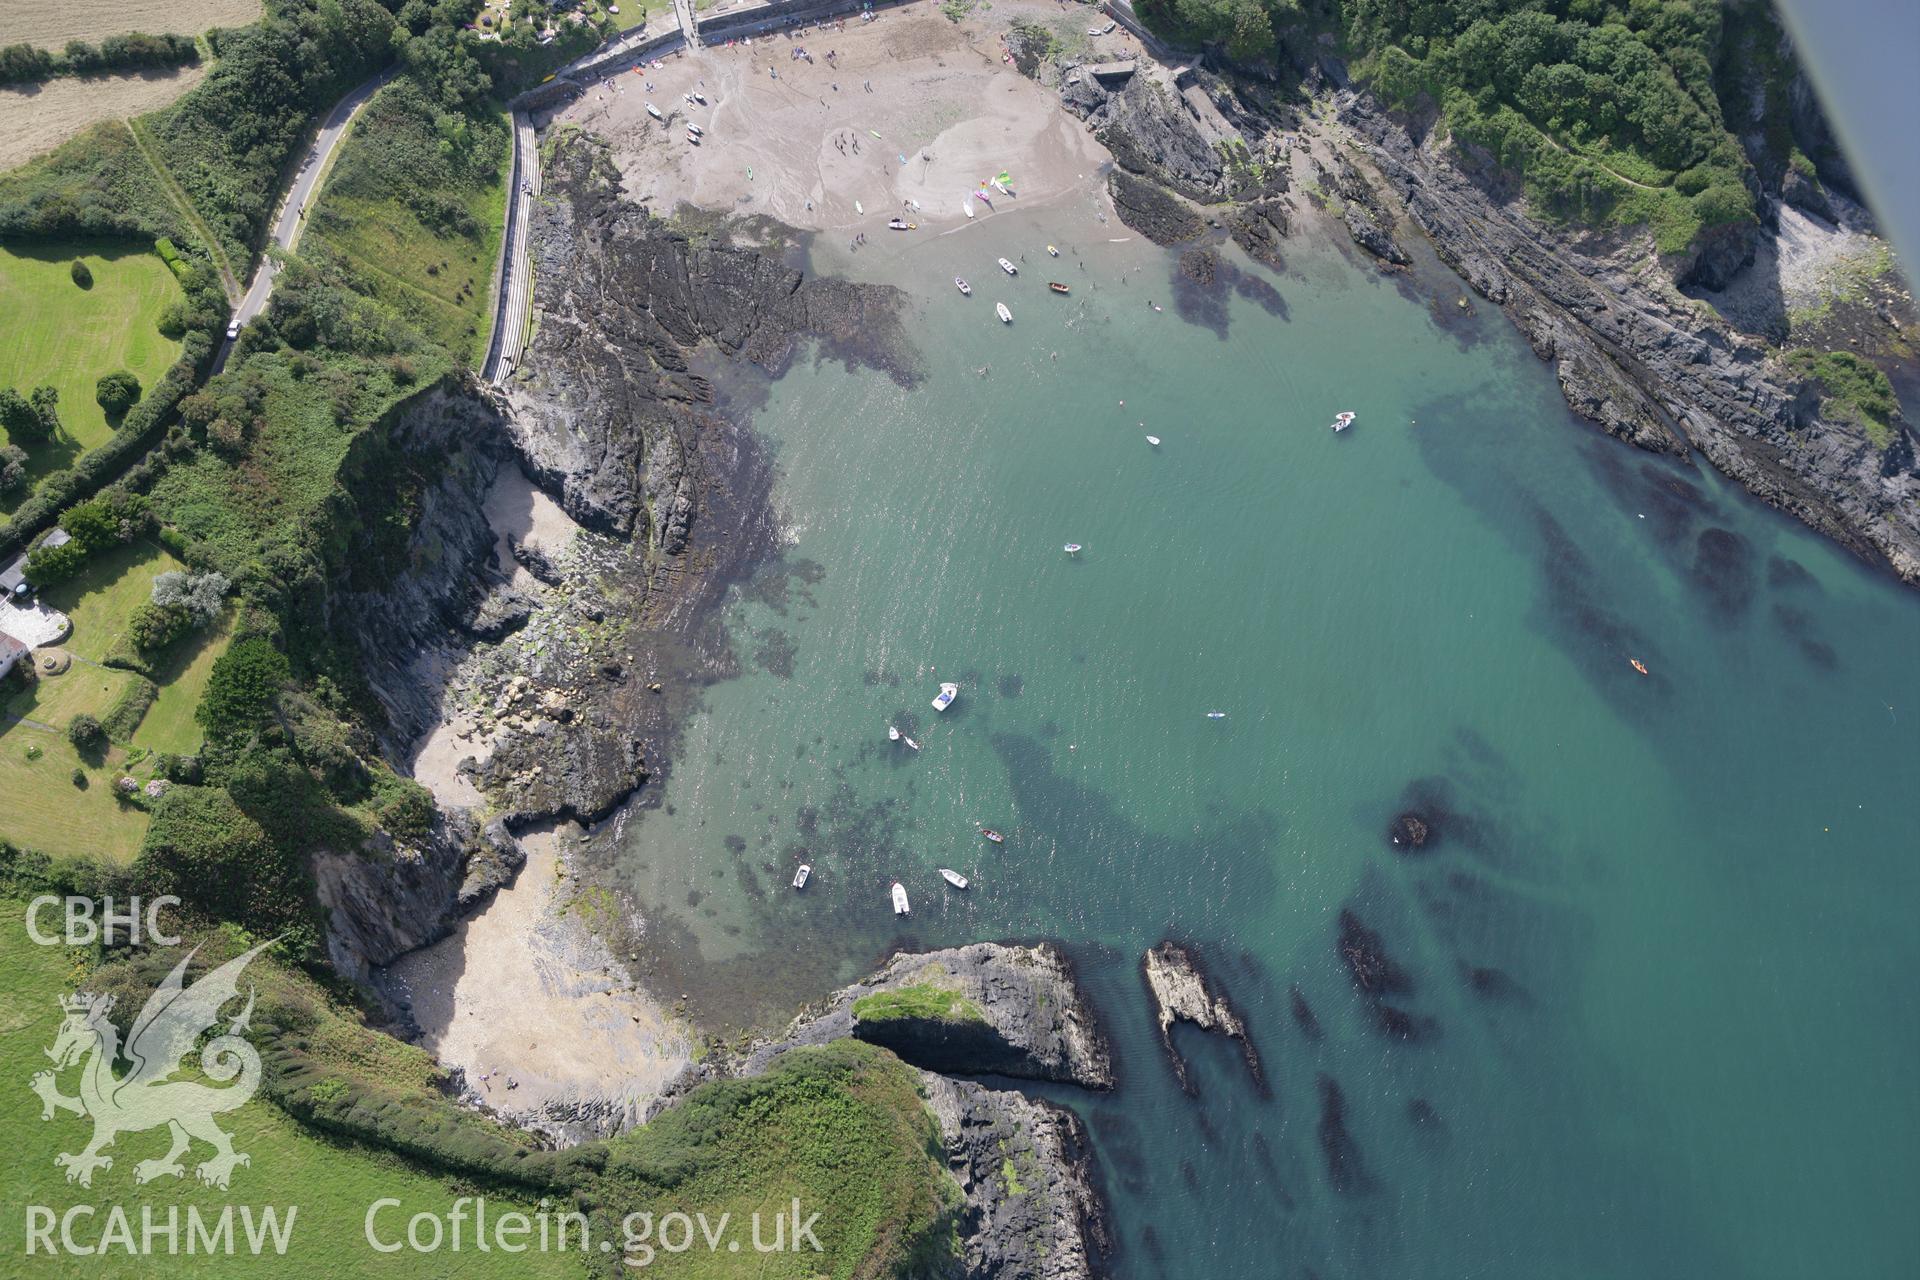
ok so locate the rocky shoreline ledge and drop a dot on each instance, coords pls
(1202, 156)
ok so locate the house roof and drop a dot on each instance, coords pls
(11, 648)
(14, 574)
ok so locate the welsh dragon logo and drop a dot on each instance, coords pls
(169, 1026)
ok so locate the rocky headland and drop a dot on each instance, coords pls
(1201, 154)
(989, 1008)
(1032, 1207)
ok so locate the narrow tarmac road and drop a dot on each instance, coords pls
(293, 208)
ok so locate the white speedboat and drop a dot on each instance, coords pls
(654, 112)
(953, 878)
(1072, 548)
(1343, 420)
(948, 692)
(1009, 268)
(800, 876)
(1216, 715)
(963, 286)
(1154, 441)
(893, 734)
(900, 907)
(1052, 252)
(693, 138)
(694, 129)
(1000, 309)
(910, 742)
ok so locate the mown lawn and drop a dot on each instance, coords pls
(182, 674)
(419, 221)
(102, 596)
(59, 333)
(41, 809)
(331, 1184)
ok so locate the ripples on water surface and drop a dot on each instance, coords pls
(1658, 955)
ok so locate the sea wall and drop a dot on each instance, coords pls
(771, 15)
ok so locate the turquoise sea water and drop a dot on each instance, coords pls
(1660, 953)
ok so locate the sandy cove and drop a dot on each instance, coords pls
(936, 92)
(524, 998)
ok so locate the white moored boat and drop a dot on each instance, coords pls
(800, 876)
(910, 742)
(654, 112)
(953, 878)
(1052, 252)
(1343, 420)
(1216, 715)
(900, 907)
(948, 692)
(966, 207)
(694, 128)
(1154, 441)
(1009, 268)
(1000, 309)
(893, 734)
(1072, 548)
(963, 286)
(700, 97)
(859, 208)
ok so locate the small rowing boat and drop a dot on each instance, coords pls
(963, 286)
(1056, 286)
(900, 907)
(1009, 268)
(1216, 715)
(694, 128)
(993, 835)
(966, 207)
(948, 692)
(910, 742)
(893, 734)
(800, 876)
(693, 137)
(896, 224)
(700, 97)
(1154, 441)
(859, 208)
(654, 112)
(1072, 548)
(1639, 666)
(1052, 252)
(1000, 309)
(953, 878)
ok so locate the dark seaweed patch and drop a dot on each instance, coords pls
(1303, 1015)
(774, 652)
(1789, 575)
(736, 844)
(1798, 624)
(1009, 685)
(1723, 571)
(1490, 983)
(1374, 971)
(1345, 1171)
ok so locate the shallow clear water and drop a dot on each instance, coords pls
(1696, 887)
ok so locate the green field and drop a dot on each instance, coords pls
(331, 1183)
(417, 218)
(59, 333)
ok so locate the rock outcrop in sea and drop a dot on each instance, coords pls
(1182, 992)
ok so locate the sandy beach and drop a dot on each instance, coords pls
(820, 145)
